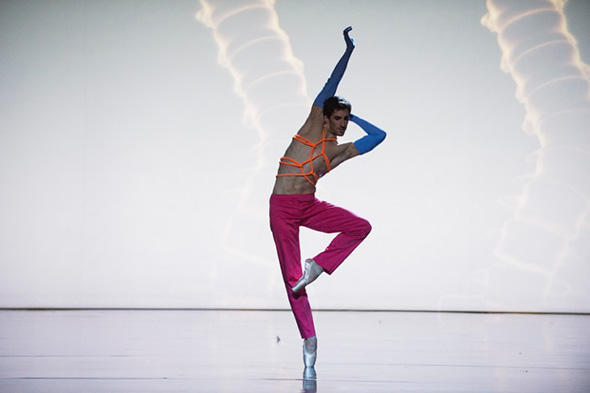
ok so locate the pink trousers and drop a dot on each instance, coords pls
(287, 214)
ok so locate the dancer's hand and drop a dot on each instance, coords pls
(349, 41)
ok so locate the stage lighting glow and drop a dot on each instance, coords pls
(553, 84)
(268, 79)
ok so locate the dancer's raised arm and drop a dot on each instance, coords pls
(332, 84)
(316, 117)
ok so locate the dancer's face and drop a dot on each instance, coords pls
(338, 121)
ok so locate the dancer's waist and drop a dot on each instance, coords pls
(293, 197)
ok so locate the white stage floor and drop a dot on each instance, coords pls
(260, 351)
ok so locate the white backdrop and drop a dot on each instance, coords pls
(139, 142)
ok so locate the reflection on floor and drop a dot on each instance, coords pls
(260, 351)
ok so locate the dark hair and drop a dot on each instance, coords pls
(335, 103)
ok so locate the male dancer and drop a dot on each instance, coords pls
(313, 152)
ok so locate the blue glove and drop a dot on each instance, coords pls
(374, 136)
(331, 85)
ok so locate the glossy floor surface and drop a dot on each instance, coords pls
(260, 351)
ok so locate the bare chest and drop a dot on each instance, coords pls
(307, 158)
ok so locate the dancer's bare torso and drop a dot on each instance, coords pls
(335, 153)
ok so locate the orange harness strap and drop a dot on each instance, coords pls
(291, 162)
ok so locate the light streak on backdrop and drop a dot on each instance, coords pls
(547, 235)
(269, 80)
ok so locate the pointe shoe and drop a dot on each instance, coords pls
(310, 351)
(309, 379)
(311, 271)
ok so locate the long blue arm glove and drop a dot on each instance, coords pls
(374, 136)
(332, 84)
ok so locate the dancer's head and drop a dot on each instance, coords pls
(334, 103)
(336, 115)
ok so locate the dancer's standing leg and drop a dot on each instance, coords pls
(284, 222)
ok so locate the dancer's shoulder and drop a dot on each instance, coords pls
(314, 121)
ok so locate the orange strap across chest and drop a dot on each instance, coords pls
(291, 162)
